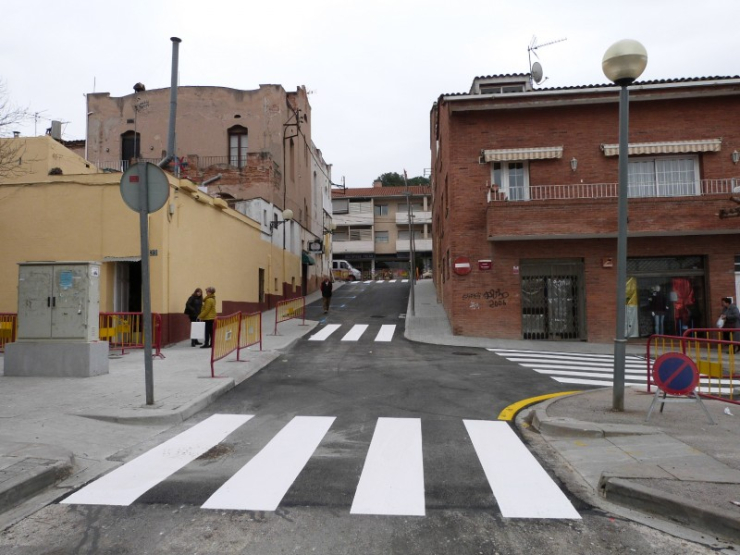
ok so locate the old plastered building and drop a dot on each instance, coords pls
(257, 141)
(525, 206)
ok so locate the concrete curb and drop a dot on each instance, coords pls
(32, 474)
(154, 416)
(671, 507)
(569, 427)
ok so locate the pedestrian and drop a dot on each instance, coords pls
(731, 319)
(208, 315)
(193, 308)
(326, 288)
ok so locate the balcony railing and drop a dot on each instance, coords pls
(704, 187)
(420, 217)
(122, 165)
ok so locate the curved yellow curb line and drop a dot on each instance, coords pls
(510, 412)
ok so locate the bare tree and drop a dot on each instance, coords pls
(10, 150)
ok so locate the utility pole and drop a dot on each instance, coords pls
(411, 247)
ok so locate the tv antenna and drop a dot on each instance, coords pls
(535, 69)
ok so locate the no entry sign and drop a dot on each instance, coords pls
(461, 266)
(675, 373)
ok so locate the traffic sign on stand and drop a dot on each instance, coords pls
(676, 376)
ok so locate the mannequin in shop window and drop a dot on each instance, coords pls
(658, 308)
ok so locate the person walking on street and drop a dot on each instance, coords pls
(731, 317)
(208, 315)
(326, 288)
(193, 308)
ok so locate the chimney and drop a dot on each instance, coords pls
(377, 183)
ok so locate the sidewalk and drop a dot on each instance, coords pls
(677, 466)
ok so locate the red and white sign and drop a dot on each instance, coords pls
(461, 266)
(484, 265)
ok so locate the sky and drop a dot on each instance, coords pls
(373, 68)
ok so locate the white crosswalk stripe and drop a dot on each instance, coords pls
(577, 368)
(385, 333)
(391, 481)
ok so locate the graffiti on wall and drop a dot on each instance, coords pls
(495, 297)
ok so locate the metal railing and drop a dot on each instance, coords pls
(125, 330)
(705, 187)
(233, 333)
(289, 310)
(714, 356)
(8, 329)
(122, 165)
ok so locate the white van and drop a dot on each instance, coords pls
(341, 269)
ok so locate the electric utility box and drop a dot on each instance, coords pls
(58, 314)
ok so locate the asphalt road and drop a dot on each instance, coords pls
(329, 402)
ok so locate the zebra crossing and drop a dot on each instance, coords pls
(576, 368)
(383, 335)
(379, 281)
(391, 482)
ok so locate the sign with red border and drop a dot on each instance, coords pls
(485, 265)
(675, 373)
(461, 266)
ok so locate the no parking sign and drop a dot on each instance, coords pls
(676, 374)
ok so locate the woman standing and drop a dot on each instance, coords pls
(193, 308)
(208, 315)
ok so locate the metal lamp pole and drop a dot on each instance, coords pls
(623, 62)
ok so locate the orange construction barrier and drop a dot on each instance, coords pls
(125, 330)
(290, 309)
(8, 329)
(233, 333)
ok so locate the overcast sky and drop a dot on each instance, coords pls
(373, 67)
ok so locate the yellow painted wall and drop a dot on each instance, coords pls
(83, 217)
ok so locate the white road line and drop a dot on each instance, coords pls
(355, 333)
(129, 482)
(262, 483)
(324, 333)
(368, 281)
(520, 485)
(385, 333)
(404, 281)
(575, 362)
(606, 377)
(392, 479)
(393, 281)
(607, 370)
(602, 383)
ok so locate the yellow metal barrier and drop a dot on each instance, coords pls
(287, 310)
(8, 329)
(251, 330)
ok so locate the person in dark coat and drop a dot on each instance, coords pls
(326, 288)
(193, 308)
(731, 317)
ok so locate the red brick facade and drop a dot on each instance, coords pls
(471, 220)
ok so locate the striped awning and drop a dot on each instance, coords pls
(535, 153)
(667, 147)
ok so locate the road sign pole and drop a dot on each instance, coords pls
(143, 170)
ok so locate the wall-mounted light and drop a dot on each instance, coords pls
(573, 164)
(287, 216)
(735, 156)
(330, 228)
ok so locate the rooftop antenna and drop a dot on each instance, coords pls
(535, 69)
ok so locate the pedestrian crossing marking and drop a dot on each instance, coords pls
(262, 483)
(355, 333)
(385, 333)
(392, 480)
(127, 483)
(325, 332)
(577, 368)
(520, 485)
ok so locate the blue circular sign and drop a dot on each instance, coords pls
(675, 373)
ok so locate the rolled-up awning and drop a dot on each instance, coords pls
(667, 147)
(534, 153)
(307, 259)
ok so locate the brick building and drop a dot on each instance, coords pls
(525, 201)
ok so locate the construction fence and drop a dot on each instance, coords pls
(233, 333)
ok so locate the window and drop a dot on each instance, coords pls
(381, 236)
(663, 177)
(238, 146)
(512, 179)
(130, 146)
(381, 209)
(340, 206)
(415, 207)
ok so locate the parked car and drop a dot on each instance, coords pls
(427, 274)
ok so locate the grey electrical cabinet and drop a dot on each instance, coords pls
(58, 301)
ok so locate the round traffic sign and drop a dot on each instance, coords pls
(461, 266)
(675, 373)
(139, 176)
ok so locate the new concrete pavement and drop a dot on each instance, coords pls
(57, 433)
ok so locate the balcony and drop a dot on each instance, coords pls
(584, 211)
(420, 245)
(343, 247)
(402, 218)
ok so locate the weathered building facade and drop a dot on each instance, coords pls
(525, 207)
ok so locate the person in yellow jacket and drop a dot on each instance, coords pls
(208, 315)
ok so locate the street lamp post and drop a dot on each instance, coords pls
(623, 62)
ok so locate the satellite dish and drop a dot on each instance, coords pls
(537, 72)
